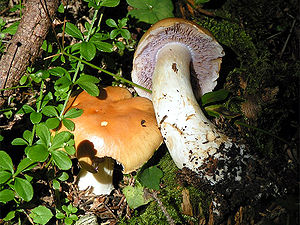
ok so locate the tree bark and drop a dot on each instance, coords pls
(25, 45)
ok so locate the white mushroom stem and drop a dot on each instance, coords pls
(100, 182)
(192, 140)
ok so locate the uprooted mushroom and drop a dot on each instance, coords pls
(114, 126)
(179, 60)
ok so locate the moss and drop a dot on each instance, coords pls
(231, 35)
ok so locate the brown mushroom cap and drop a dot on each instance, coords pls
(206, 53)
(115, 125)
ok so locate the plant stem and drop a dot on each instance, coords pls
(262, 131)
(11, 88)
(38, 106)
(79, 62)
(109, 73)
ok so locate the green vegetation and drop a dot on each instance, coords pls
(81, 58)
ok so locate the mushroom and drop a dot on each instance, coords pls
(174, 57)
(113, 127)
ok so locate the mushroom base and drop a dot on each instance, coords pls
(100, 182)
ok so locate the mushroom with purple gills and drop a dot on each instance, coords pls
(178, 60)
(114, 127)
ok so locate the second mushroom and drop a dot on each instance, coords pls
(114, 126)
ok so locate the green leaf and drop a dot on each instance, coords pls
(215, 96)
(103, 46)
(109, 3)
(52, 123)
(68, 221)
(6, 162)
(63, 82)
(4, 176)
(61, 159)
(47, 46)
(12, 29)
(125, 34)
(58, 71)
(43, 132)
(23, 79)
(72, 30)
(63, 176)
(9, 216)
(27, 135)
(87, 83)
(24, 165)
(70, 150)
(73, 113)
(25, 109)
(19, 141)
(199, 2)
(87, 50)
(111, 23)
(50, 111)
(56, 184)
(38, 153)
(41, 215)
(114, 33)
(150, 177)
(35, 117)
(60, 215)
(99, 37)
(23, 188)
(135, 196)
(151, 11)
(61, 8)
(60, 139)
(73, 217)
(69, 124)
(1, 137)
(122, 22)
(6, 195)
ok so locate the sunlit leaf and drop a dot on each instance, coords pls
(109, 3)
(4, 176)
(43, 132)
(151, 11)
(52, 123)
(69, 124)
(72, 30)
(87, 50)
(24, 165)
(73, 113)
(38, 153)
(23, 188)
(35, 117)
(135, 196)
(41, 215)
(6, 195)
(6, 162)
(60, 139)
(61, 159)
(19, 141)
(49, 111)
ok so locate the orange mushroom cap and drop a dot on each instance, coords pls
(115, 125)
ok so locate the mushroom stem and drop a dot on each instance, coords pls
(193, 141)
(101, 182)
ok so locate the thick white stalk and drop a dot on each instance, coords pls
(100, 182)
(192, 140)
